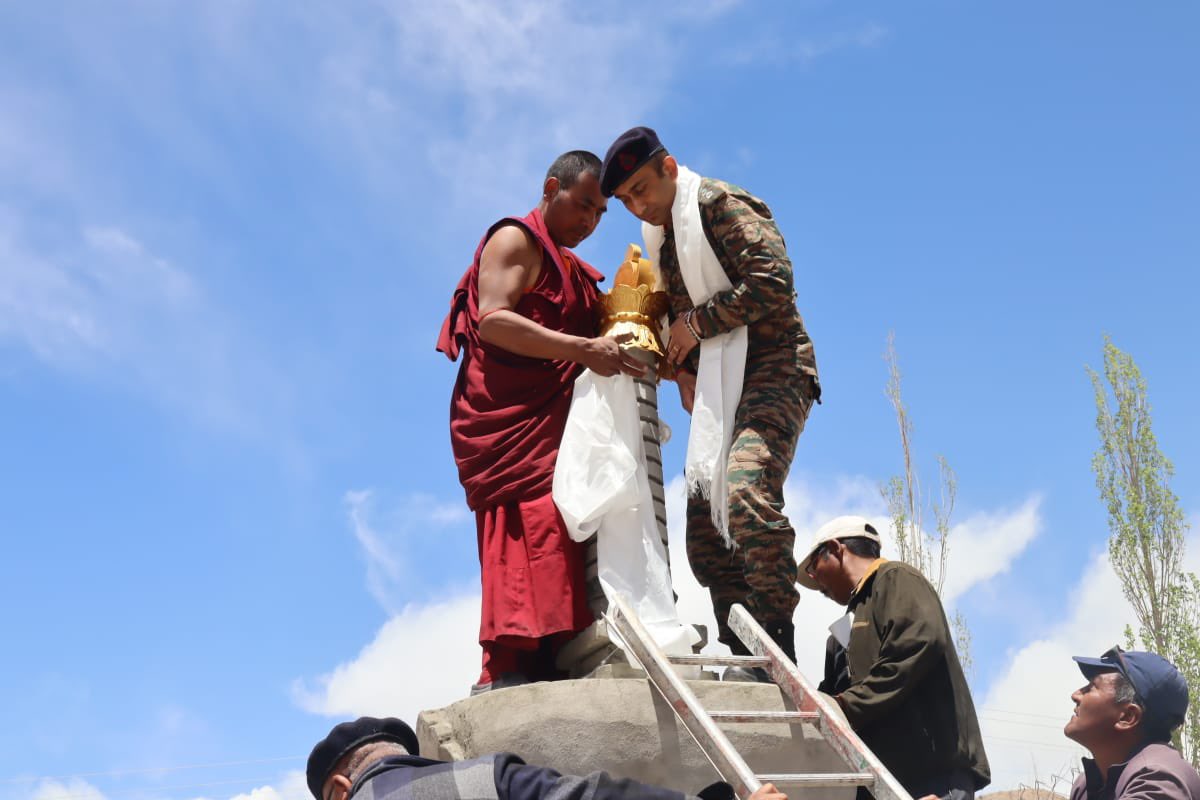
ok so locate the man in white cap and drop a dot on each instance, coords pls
(891, 664)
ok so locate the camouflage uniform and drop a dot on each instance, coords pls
(778, 391)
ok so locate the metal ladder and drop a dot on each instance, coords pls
(713, 742)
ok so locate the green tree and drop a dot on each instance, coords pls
(927, 551)
(1146, 545)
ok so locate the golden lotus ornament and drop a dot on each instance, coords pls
(635, 304)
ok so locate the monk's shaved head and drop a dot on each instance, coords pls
(571, 165)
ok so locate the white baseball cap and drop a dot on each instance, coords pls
(846, 527)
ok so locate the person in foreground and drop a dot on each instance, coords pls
(746, 372)
(524, 318)
(1124, 715)
(892, 667)
(376, 759)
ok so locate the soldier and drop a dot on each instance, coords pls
(745, 369)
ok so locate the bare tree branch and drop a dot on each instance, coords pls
(928, 552)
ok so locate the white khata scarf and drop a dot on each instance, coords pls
(722, 357)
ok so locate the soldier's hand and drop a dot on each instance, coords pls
(681, 341)
(604, 356)
(687, 389)
(768, 792)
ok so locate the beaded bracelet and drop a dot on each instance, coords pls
(687, 323)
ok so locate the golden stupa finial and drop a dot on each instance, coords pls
(636, 302)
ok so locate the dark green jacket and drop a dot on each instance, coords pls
(901, 685)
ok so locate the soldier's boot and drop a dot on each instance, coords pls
(784, 634)
(744, 674)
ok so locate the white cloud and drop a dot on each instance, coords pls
(384, 564)
(805, 50)
(707, 9)
(81, 290)
(478, 95)
(390, 541)
(394, 675)
(1026, 707)
(33, 152)
(982, 546)
(427, 654)
(50, 308)
(95, 296)
(992, 540)
(95, 302)
(291, 787)
(449, 626)
(449, 105)
(985, 544)
(68, 789)
(425, 657)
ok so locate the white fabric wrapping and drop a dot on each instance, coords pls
(601, 487)
(722, 357)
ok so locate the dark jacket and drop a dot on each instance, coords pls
(1155, 771)
(900, 682)
(502, 776)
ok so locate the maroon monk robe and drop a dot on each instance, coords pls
(507, 416)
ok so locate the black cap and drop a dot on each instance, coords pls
(349, 735)
(628, 153)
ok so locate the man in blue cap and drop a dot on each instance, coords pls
(377, 759)
(1124, 716)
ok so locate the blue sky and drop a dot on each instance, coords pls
(229, 232)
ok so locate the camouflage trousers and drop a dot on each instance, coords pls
(760, 571)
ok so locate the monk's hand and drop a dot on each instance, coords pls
(605, 356)
(687, 389)
(681, 342)
(768, 792)
(666, 370)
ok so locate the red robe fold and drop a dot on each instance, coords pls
(507, 416)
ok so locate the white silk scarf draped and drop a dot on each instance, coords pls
(722, 357)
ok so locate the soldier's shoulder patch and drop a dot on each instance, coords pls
(713, 190)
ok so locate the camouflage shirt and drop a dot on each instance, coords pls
(781, 368)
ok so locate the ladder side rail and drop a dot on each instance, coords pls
(711, 740)
(819, 780)
(706, 660)
(790, 717)
(832, 725)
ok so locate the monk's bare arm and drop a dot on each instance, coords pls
(508, 266)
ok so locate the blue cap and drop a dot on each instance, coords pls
(1160, 687)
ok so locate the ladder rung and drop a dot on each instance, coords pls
(721, 661)
(763, 716)
(821, 779)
